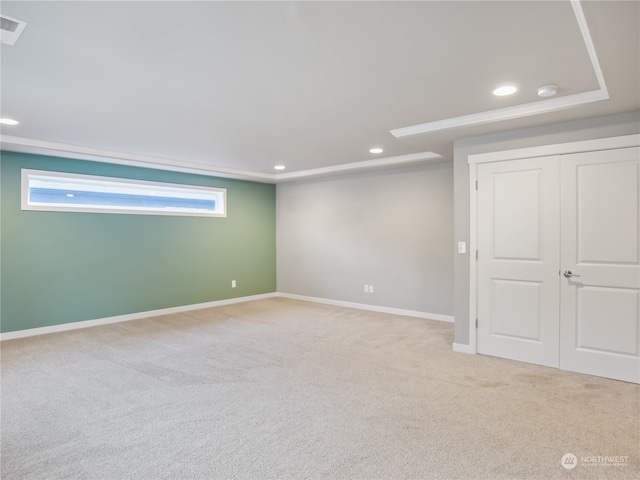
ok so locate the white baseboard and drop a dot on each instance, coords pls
(198, 306)
(373, 308)
(462, 348)
(125, 318)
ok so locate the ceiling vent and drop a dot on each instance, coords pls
(10, 29)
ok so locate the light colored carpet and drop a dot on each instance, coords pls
(283, 389)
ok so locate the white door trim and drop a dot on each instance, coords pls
(557, 149)
(498, 156)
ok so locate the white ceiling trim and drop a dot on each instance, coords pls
(43, 147)
(588, 42)
(507, 113)
(55, 149)
(397, 161)
(526, 109)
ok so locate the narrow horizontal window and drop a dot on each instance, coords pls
(70, 192)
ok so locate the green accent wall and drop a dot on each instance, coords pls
(61, 267)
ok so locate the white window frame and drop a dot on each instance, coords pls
(95, 183)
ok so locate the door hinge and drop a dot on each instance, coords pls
(476, 185)
(476, 254)
(476, 323)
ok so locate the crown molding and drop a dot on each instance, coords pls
(588, 43)
(526, 109)
(507, 113)
(378, 163)
(55, 149)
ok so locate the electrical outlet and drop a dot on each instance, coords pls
(233, 284)
(370, 288)
(366, 289)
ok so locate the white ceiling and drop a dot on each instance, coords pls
(239, 87)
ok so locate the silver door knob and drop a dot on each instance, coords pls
(568, 274)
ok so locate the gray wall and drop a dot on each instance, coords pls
(598, 127)
(392, 229)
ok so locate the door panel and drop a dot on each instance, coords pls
(518, 237)
(516, 309)
(600, 326)
(515, 236)
(618, 333)
(607, 207)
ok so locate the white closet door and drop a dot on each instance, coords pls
(600, 317)
(518, 238)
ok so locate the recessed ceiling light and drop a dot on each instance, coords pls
(376, 150)
(505, 90)
(547, 90)
(8, 121)
(279, 167)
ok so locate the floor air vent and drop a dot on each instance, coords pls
(10, 29)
